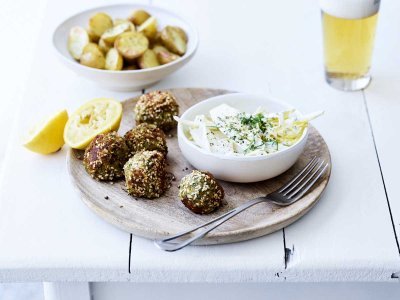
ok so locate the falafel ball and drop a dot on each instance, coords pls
(157, 108)
(145, 175)
(105, 156)
(200, 192)
(145, 137)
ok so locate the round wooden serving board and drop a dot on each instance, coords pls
(167, 215)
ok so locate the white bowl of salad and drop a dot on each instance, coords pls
(242, 137)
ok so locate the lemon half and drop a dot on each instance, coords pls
(47, 136)
(94, 117)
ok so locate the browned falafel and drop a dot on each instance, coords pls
(200, 192)
(145, 175)
(145, 137)
(158, 108)
(105, 157)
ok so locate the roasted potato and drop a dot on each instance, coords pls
(118, 21)
(104, 46)
(121, 21)
(92, 56)
(172, 39)
(138, 17)
(126, 44)
(99, 23)
(163, 55)
(157, 48)
(131, 44)
(156, 40)
(111, 34)
(182, 33)
(78, 38)
(92, 37)
(149, 28)
(148, 60)
(114, 60)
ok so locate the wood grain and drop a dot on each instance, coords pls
(167, 215)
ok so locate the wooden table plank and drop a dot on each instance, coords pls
(348, 235)
(258, 260)
(27, 24)
(383, 101)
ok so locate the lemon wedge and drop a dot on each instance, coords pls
(47, 136)
(94, 117)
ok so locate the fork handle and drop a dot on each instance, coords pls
(167, 244)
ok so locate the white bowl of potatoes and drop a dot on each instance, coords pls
(125, 47)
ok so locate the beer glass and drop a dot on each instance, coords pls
(348, 35)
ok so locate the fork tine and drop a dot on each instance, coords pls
(302, 178)
(298, 175)
(306, 179)
(313, 178)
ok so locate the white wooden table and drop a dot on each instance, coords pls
(48, 234)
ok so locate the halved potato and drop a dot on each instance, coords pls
(92, 56)
(138, 17)
(121, 21)
(111, 34)
(163, 55)
(99, 23)
(78, 38)
(118, 21)
(157, 39)
(172, 39)
(131, 44)
(149, 28)
(104, 46)
(114, 60)
(182, 33)
(92, 37)
(148, 60)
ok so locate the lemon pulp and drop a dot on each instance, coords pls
(94, 117)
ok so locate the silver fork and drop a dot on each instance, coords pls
(286, 195)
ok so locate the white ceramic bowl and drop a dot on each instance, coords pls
(124, 80)
(232, 168)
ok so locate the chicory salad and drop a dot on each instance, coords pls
(229, 131)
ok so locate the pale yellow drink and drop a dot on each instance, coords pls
(348, 45)
(348, 35)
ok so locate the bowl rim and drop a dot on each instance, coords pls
(182, 136)
(187, 55)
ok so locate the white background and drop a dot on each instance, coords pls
(252, 46)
